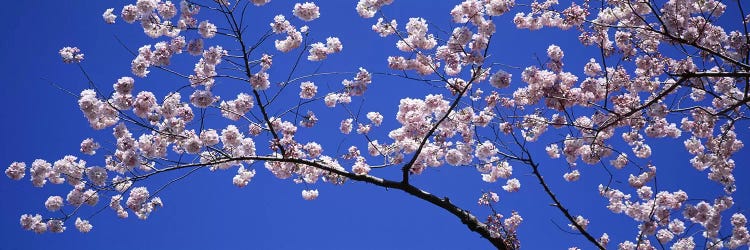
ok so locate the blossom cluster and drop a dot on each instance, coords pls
(293, 37)
(306, 11)
(319, 51)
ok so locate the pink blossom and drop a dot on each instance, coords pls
(572, 176)
(620, 161)
(202, 98)
(76, 196)
(207, 29)
(385, 29)
(500, 79)
(195, 47)
(375, 117)
(16, 170)
(237, 108)
(129, 13)
(502, 170)
(664, 235)
(358, 85)
(553, 151)
(280, 24)
(71, 55)
(40, 171)
(487, 198)
(318, 52)
(53, 203)
(309, 120)
(307, 11)
(498, 7)
(137, 198)
(592, 68)
(260, 2)
(512, 222)
(677, 226)
(417, 36)
(292, 41)
(108, 16)
(231, 136)
(368, 8)
(55, 226)
(512, 185)
(166, 9)
(360, 166)
(83, 225)
(485, 150)
(266, 61)
(363, 129)
(684, 244)
(310, 194)
(259, 81)
(583, 222)
(308, 90)
(144, 103)
(97, 175)
(313, 149)
(346, 126)
(243, 177)
(29, 222)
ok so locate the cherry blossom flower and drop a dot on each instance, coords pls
(55, 226)
(346, 126)
(310, 194)
(33, 222)
(16, 170)
(572, 176)
(71, 55)
(375, 117)
(108, 16)
(385, 29)
(83, 225)
(53, 203)
(166, 9)
(238, 107)
(308, 90)
(512, 185)
(202, 98)
(207, 29)
(553, 151)
(306, 11)
(243, 177)
(368, 8)
(500, 79)
(583, 222)
(260, 2)
(487, 198)
(360, 166)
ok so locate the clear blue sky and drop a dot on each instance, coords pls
(205, 211)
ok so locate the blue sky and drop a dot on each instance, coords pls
(205, 211)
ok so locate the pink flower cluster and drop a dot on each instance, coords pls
(306, 11)
(319, 51)
(293, 36)
(243, 177)
(139, 202)
(417, 37)
(358, 85)
(385, 29)
(237, 108)
(71, 55)
(368, 8)
(151, 12)
(310, 194)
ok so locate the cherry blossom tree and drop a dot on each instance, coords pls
(674, 73)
